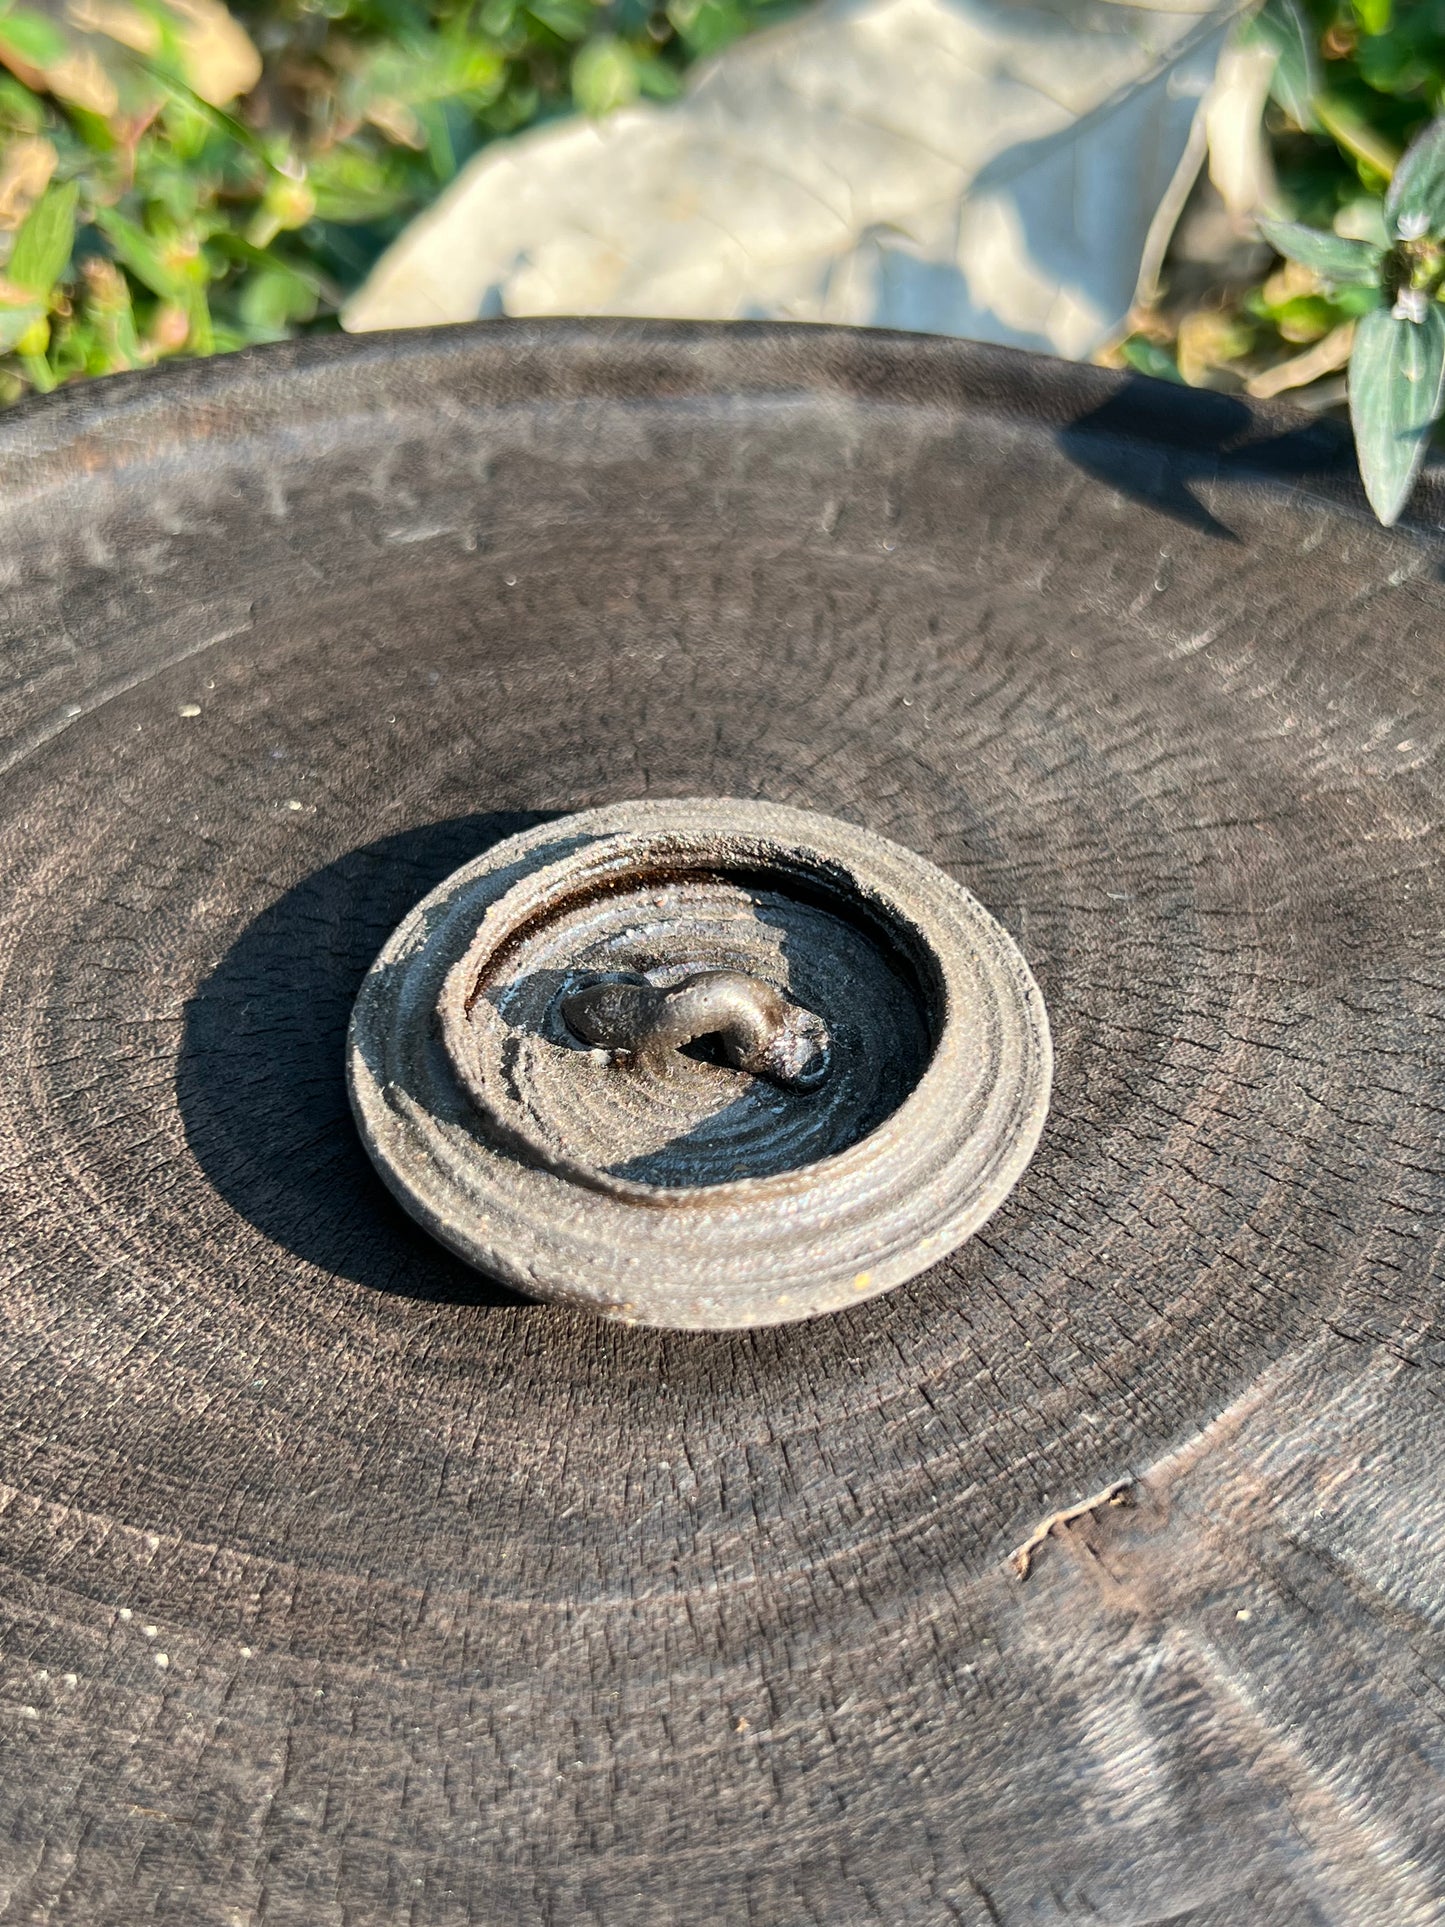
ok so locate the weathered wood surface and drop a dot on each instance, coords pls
(340, 1588)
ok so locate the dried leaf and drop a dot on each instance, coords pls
(1240, 166)
(118, 20)
(218, 58)
(25, 170)
(49, 59)
(197, 40)
(1326, 357)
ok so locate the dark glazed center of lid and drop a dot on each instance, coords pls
(691, 1117)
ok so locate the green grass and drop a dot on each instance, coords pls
(159, 224)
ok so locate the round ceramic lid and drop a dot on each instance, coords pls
(700, 1062)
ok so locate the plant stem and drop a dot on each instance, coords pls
(38, 373)
(1343, 124)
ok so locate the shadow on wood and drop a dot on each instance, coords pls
(261, 1082)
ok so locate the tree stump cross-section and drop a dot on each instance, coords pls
(339, 1586)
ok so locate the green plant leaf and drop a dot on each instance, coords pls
(38, 370)
(1280, 26)
(1375, 153)
(1148, 358)
(1363, 219)
(20, 110)
(604, 76)
(33, 39)
(273, 300)
(1397, 369)
(437, 68)
(1357, 301)
(1335, 260)
(351, 184)
(707, 26)
(657, 80)
(201, 338)
(1374, 15)
(135, 250)
(41, 252)
(568, 19)
(1415, 204)
(1303, 317)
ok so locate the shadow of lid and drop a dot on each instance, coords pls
(261, 1074)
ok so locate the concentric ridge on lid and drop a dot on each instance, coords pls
(591, 1062)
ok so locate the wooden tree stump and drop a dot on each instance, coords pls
(339, 1586)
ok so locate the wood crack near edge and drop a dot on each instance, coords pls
(1022, 1557)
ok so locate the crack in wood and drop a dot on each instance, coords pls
(1022, 1557)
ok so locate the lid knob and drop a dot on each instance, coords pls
(758, 1028)
(700, 1063)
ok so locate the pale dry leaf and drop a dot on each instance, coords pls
(118, 20)
(26, 165)
(1240, 167)
(1326, 357)
(79, 78)
(216, 56)
(221, 62)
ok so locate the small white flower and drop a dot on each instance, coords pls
(1413, 227)
(1411, 304)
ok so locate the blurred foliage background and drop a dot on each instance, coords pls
(179, 178)
(1354, 82)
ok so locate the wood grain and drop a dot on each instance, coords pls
(338, 1587)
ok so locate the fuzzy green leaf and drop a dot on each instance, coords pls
(1148, 358)
(1415, 204)
(274, 300)
(135, 250)
(1397, 370)
(41, 252)
(1280, 26)
(1357, 301)
(568, 19)
(1337, 261)
(1363, 219)
(38, 371)
(604, 76)
(707, 26)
